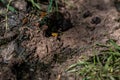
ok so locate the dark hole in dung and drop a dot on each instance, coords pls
(117, 5)
(18, 70)
(56, 22)
(87, 14)
(96, 20)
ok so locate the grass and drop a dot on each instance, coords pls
(51, 7)
(6, 17)
(34, 4)
(104, 66)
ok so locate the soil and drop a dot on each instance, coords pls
(29, 51)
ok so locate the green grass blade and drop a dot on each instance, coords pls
(11, 8)
(114, 44)
(50, 6)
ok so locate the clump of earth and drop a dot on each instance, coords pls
(29, 51)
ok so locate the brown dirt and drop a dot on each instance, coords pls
(32, 56)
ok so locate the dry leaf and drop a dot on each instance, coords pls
(54, 34)
(25, 20)
(43, 14)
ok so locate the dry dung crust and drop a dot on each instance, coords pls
(28, 51)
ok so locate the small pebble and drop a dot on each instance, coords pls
(20, 5)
